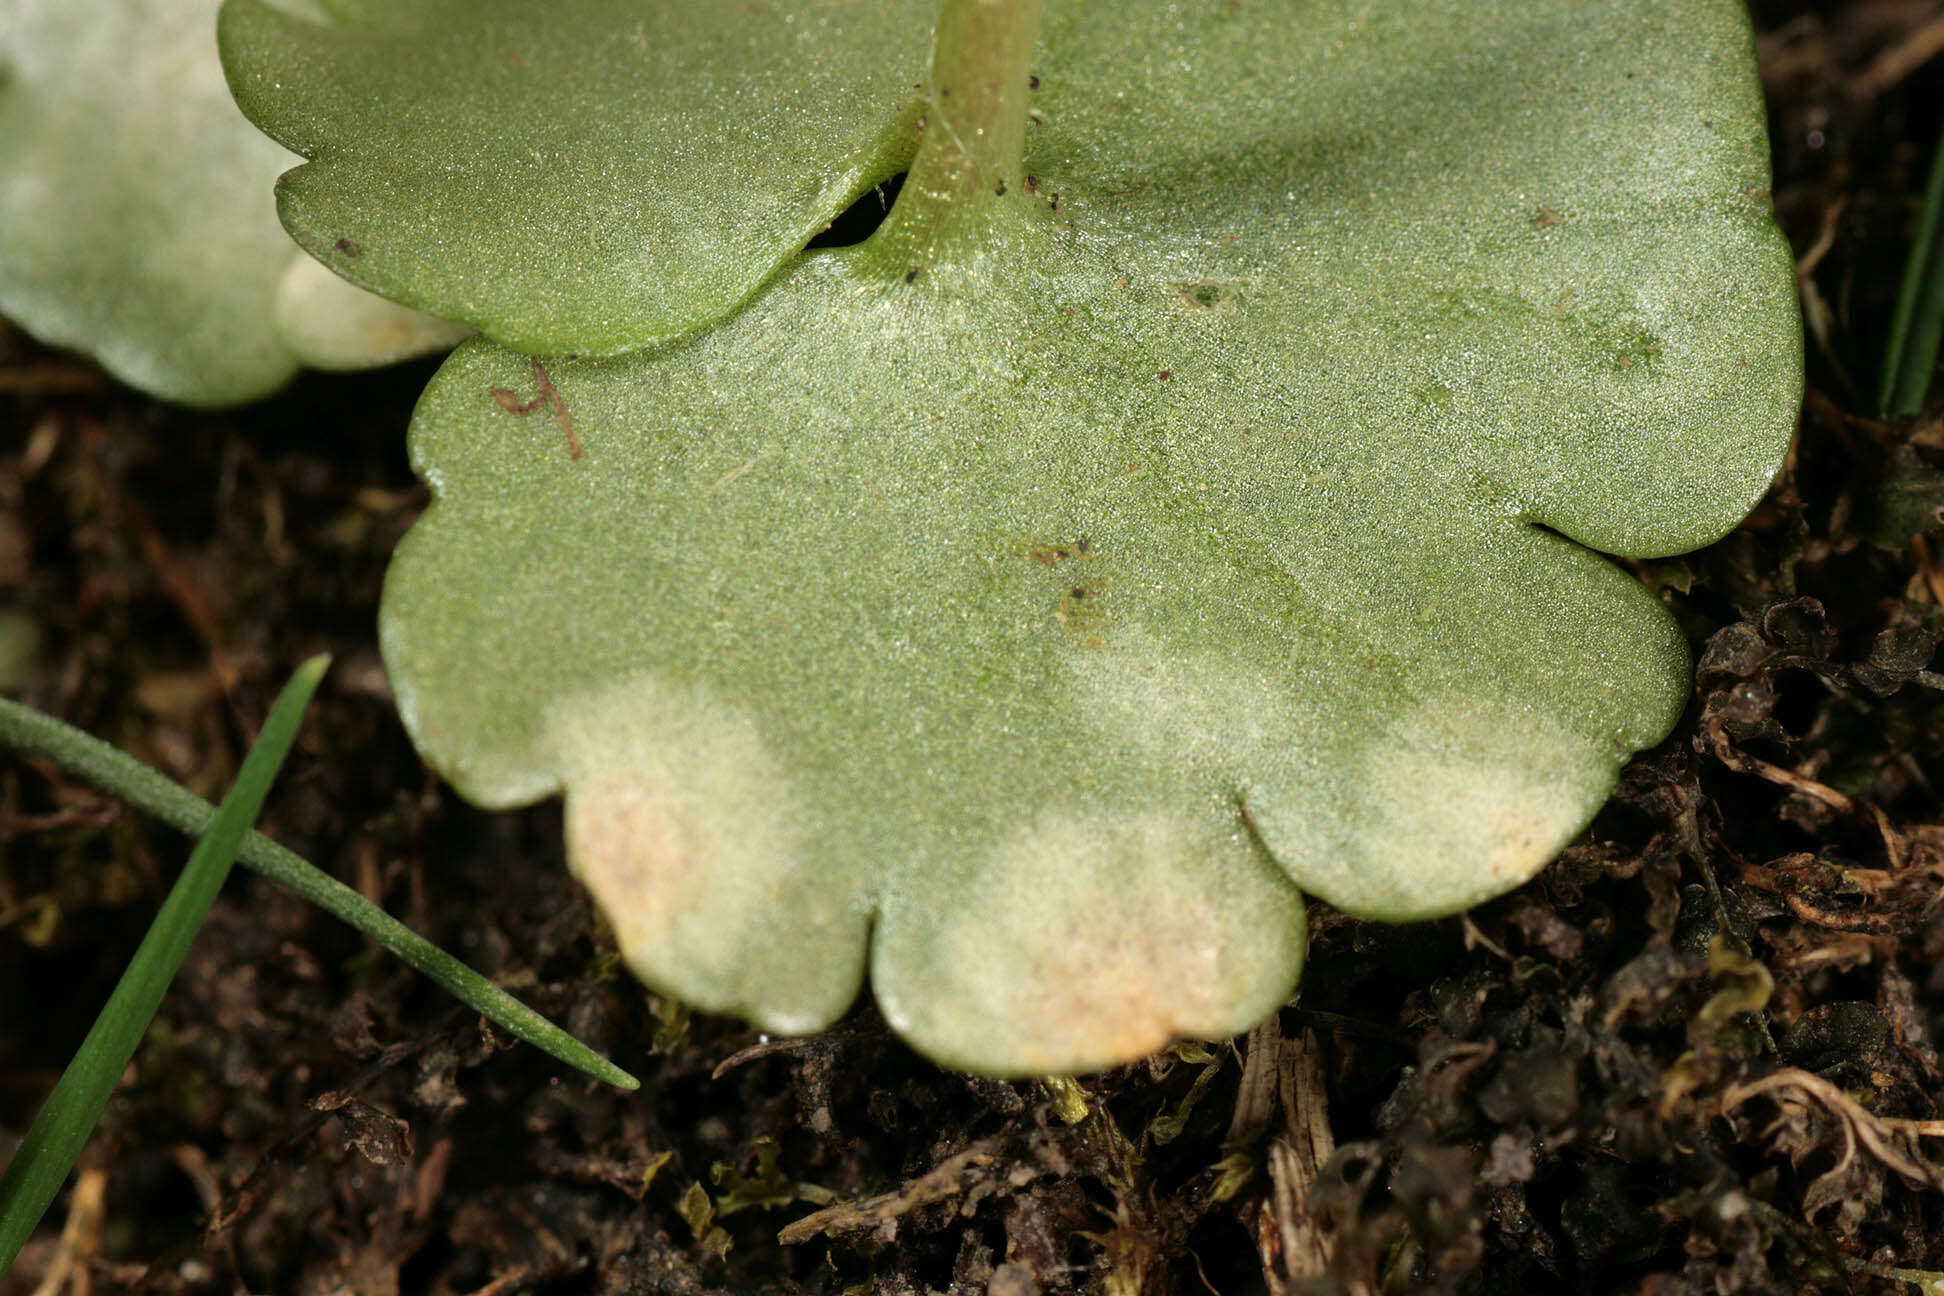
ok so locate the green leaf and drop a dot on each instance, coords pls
(580, 175)
(1917, 325)
(330, 324)
(1039, 606)
(114, 771)
(133, 219)
(36, 1172)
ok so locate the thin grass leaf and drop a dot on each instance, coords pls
(37, 1170)
(88, 758)
(1917, 327)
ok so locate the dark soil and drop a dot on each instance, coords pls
(1697, 1055)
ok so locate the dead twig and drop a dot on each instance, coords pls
(52, 380)
(948, 1178)
(1919, 46)
(80, 1238)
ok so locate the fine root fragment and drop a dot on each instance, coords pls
(1862, 1129)
(549, 395)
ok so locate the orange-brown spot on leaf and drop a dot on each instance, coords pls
(1101, 936)
(1054, 553)
(636, 855)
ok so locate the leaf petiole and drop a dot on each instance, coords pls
(975, 120)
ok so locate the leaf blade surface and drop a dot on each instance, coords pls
(132, 219)
(580, 176)
(1052, 608)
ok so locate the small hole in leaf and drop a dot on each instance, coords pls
(860, 220)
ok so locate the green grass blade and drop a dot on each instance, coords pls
(37, 1170)
(1917, 327)
(87, 757)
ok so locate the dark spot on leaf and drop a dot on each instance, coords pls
(1202, 294)
(1001, 190)
(1051, 555)
(911, 274)
(1639, 350)
(349, 248)
(1165, 375)
(1082, 610)
(1032, 83)
(1032, 184)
